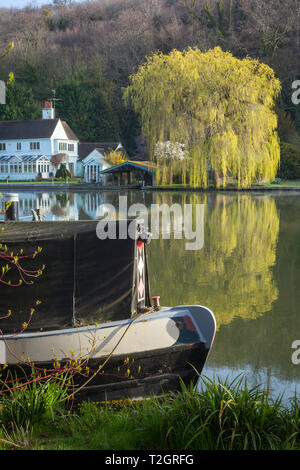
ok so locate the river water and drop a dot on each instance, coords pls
(245, 268)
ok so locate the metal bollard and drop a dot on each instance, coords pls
(156, 305)
(11, 207)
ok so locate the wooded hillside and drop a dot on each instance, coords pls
(86, 51)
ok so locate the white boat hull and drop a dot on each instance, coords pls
(144, 355)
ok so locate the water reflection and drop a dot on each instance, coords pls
(247, 273)
(75, 206)
(232, 274)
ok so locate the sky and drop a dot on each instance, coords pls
(23, 3)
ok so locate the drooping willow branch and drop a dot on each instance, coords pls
(220, 107)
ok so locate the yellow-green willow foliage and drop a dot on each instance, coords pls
(232, 274)
(219, 106)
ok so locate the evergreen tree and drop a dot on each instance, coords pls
(87, 110)
(63, 172)
(20, 104)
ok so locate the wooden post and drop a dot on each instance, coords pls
(11, 207)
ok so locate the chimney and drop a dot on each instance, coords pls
(48, 111)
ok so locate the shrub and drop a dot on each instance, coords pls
(289, 161)
(63, 172)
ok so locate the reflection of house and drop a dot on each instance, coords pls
(93, 204)
(51, 206)
(33, 201)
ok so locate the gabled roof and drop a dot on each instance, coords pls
(93, 159)
(33, 129)
(85, 148)
(69, 132)
(130, 164)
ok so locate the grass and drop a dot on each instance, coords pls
(285, 183)
(220, 415)
(276, 183)
(61, 181)
(31, 400)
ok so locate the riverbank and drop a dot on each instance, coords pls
(62, 187)
(87, 187)
(219, 416)
(282, 186)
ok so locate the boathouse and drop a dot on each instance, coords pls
(132, 172)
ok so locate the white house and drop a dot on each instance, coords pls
(35, 149)
(92, 159)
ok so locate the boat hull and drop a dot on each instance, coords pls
(150, 355)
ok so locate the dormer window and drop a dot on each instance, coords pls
(2, 146)
(34, 146)
(71, 147)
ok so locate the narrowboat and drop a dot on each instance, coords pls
(76, 299)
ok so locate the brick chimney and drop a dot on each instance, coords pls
(48, 111)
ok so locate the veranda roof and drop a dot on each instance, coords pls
(131, 165)
(24, 158)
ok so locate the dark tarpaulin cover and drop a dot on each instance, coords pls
(85, 280)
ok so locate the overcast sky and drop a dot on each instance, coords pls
(23, 3)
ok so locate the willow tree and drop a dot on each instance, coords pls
(220, 107)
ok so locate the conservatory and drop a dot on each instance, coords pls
(25, 167)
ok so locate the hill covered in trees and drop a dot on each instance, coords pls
(87, 51)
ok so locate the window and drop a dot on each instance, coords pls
(43, 165)
(62, 146)
(34, 146)
(2, 146)
(19, 146)
(71, 147)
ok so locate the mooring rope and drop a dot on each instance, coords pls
(152, 310)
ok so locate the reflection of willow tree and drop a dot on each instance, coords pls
(232, 274)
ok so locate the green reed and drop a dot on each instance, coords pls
(216, 415)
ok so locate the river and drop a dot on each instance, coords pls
(246, 270)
